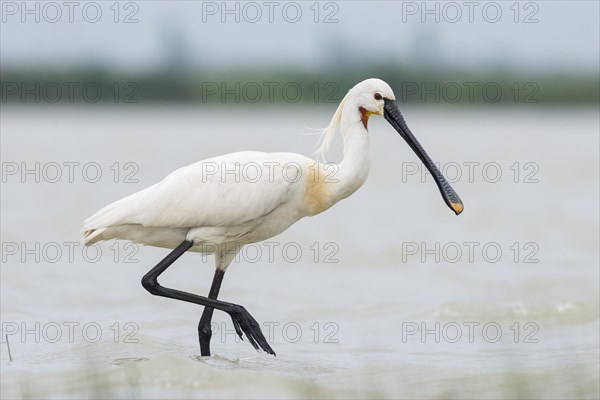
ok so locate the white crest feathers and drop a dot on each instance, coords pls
(329, 133)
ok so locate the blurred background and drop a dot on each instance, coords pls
(171, 53)
(377, 297)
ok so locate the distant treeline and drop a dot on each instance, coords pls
(411, 85)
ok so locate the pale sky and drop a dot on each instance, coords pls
(560, 35)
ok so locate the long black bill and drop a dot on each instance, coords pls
(393, 116)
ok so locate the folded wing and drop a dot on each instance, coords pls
(222, 191)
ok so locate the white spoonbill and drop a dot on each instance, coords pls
(205, 207)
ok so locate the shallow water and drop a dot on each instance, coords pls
(388, 294)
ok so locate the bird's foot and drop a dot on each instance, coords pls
(243, 322)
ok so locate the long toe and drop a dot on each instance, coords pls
(253, 332)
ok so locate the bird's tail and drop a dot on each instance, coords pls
(110, 216)
(91, 236)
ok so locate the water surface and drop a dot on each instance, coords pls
(388, 294)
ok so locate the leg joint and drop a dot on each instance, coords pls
(150, 283)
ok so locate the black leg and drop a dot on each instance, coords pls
(204, 327)
(243, 322)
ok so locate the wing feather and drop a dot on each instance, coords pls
(207, 193)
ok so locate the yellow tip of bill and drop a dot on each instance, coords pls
(457, 207)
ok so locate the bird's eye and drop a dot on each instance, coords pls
(377, 96)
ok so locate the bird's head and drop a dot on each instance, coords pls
(374, 96)
(369, 97)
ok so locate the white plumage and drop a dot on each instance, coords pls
(220, 204)
(247, 197)
(218, 200)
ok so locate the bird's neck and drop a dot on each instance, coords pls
(329, 184)
(353, 171)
